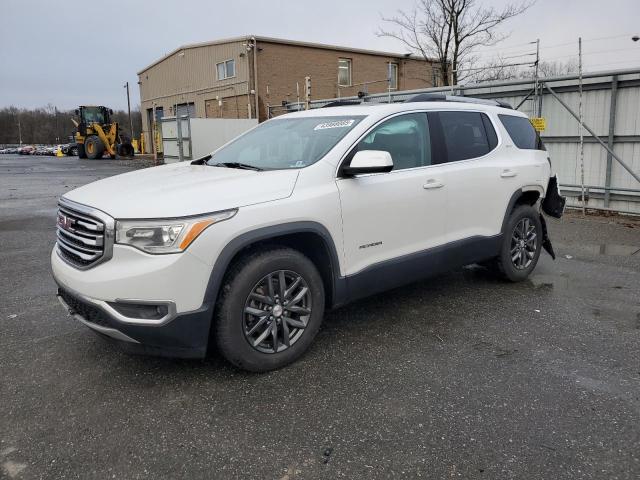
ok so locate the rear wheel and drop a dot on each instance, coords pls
(521, 244)
(270, 309)
(93, 147)
(125, 150)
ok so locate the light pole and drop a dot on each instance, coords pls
(19, 131)
(126, 85)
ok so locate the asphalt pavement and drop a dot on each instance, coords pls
(462, 376)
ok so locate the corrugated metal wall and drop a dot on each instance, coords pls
(561, 135)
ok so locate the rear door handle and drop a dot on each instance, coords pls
(508, 173)
(432, 183)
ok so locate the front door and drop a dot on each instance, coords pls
(388, 216)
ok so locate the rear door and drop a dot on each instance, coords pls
(389, 215)
(480, 175)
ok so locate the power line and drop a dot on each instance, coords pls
(610, 63)
(520, 56)
(557, 45)
(594, 53)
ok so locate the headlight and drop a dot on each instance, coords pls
(166, 236)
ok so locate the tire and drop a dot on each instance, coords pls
(239, 323)
(518, 255)
(81, 152)
(93, 147)
(125, 150)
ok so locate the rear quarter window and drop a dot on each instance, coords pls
(521, 132)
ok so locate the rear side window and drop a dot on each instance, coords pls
(465, 135)
(522, 132)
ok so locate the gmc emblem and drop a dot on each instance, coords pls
(65, 222)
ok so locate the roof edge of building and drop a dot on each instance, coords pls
(283, 41)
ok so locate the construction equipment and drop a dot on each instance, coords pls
(97, 134)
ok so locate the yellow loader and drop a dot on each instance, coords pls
(97, 134)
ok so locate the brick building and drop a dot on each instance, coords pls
(241, 77)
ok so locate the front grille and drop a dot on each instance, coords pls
(80, 237)
(89, 312)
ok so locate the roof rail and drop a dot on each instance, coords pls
(342, 103)
(441, 97)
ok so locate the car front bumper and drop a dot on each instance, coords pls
(102, 298)
(184, 336)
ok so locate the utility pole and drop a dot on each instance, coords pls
(129, 108)
(581, 124)
(19, 131)
(536, 110)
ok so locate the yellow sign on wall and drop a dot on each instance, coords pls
(539, 123)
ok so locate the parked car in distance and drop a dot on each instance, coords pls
(246, 248)
(41, 150)
(27, 150)
(70, 149)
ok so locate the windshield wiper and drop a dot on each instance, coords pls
(243, 166)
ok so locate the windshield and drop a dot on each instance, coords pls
(287, 143)
(93, 115)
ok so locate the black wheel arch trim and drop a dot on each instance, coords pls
(512, 201)
(232, 248)
(546, 241)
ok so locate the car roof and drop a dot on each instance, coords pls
(384, 109)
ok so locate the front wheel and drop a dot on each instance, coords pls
(521, 244)
(93, 147)
(270, 309)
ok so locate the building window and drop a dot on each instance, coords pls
(344, 72)
(393, 76)
(226, 69)
(436, 79)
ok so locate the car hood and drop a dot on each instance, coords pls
(182, 189)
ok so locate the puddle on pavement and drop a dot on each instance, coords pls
(610, 249)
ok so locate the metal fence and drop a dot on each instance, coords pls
(611, 118)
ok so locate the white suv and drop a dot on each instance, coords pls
(247, 247)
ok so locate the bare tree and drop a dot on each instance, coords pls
(557, 69)
(499, 69)
(49, 125)
(449, 31)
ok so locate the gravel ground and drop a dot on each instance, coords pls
(462, 376)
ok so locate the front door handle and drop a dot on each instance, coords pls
(432, 183)
(508, 173)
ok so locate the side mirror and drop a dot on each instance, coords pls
(110, 112)
(369, 161)
(77, 112)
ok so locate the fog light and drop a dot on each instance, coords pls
(140, 311)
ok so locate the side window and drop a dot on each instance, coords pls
(492, 136)
(521, 132)
(405, 137)
(465, 136)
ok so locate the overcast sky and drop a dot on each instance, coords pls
(68, 52)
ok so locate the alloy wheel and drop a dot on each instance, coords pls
(277, 311)
(524, 243)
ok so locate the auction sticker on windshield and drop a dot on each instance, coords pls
(336, 124)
